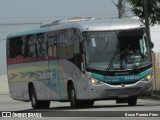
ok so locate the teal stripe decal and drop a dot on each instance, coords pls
(127, 78)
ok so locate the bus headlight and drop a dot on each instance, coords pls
(94, 81)
(147, 78)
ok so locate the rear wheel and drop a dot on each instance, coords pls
(132, 101)
(36, 104)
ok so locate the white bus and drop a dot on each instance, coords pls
(80, 60)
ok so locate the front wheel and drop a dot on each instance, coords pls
(132, 101)
(87, 103)
(72, 97)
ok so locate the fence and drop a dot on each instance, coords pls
(156, 71)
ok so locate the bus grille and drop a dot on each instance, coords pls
(123, 91)
(119, 83)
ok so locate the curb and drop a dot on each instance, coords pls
(154, 96)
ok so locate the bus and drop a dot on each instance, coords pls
(80, 60)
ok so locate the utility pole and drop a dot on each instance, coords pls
(120, 7)
(121, 10)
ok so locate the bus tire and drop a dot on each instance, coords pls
(87, 103)
(44, 104)
(36, 104)
(132, 101)
(72, 97)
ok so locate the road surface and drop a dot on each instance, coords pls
(100, 109)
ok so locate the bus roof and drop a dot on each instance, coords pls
(86, 25)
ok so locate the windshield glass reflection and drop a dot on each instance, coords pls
(116, 50)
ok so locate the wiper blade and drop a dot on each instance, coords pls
(112, 60)
(114, 56)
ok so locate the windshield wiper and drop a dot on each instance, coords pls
(113, 58)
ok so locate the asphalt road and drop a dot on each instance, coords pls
(101, 109)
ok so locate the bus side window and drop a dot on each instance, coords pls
(15, 47)
(52, 44)
(14, 52)
(31, 46)
(52, 51)
(41, 46)
(19, 44)
(12, 47)
(65, 45)
(26, 48)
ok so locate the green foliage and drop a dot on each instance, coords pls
(153, 10)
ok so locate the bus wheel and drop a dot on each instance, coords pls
(72, 97)
(87, 103)
(36, 104)
(132, 101)
(44, 104)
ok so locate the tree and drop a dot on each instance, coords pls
(148, 12)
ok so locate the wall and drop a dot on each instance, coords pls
(3, 70)
(4, 84)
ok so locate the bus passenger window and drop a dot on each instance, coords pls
(65, 46)
(51, 38)
(26, 48)
(31, 44)
(41, 46)
(16, 47)
(52, 51)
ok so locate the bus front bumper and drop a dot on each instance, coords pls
(106, 91)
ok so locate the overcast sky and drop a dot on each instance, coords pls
(13, 11)
(56, 8)
(22, 11)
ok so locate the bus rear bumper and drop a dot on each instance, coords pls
(106, 91)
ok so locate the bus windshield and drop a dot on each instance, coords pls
(117, 50)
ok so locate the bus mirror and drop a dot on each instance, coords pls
(151, 45)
